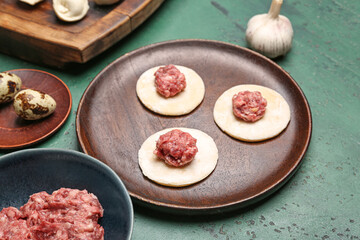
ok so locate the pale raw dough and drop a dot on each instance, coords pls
(70, 10)
(31, 2)
(275, 120)
(180, 104)
(157, 170)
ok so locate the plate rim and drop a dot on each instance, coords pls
(223, 207)
(55, 129)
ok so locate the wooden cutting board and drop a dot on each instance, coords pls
(35, 34)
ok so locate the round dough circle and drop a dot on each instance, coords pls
(180, 104)
(275, 120)
(157, 170)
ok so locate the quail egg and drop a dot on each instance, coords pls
(31, 104)
(10, 84)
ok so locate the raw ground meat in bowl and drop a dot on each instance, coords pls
(26, 172)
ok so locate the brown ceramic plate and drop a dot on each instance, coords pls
(16, 132)
(112, 124)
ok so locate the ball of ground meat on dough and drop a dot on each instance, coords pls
(169, 81)
(176, 148)
(249, 106)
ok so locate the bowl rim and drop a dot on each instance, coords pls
(106, 168)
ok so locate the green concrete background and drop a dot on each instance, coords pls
(322, 200)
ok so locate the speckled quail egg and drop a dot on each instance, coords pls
(31, 104)
(10, 84)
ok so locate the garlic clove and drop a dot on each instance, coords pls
(70, 10)
(270, 34)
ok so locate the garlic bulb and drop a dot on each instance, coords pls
(270, 34)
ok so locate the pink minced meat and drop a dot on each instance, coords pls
(67, 214)
(12, 226)
(176, 148)
(249, 106)
(169, 81)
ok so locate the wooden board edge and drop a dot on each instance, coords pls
(140, 14)
(56, 47)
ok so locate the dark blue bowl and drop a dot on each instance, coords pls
(26, 172)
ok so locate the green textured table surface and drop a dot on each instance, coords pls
(322, 200)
